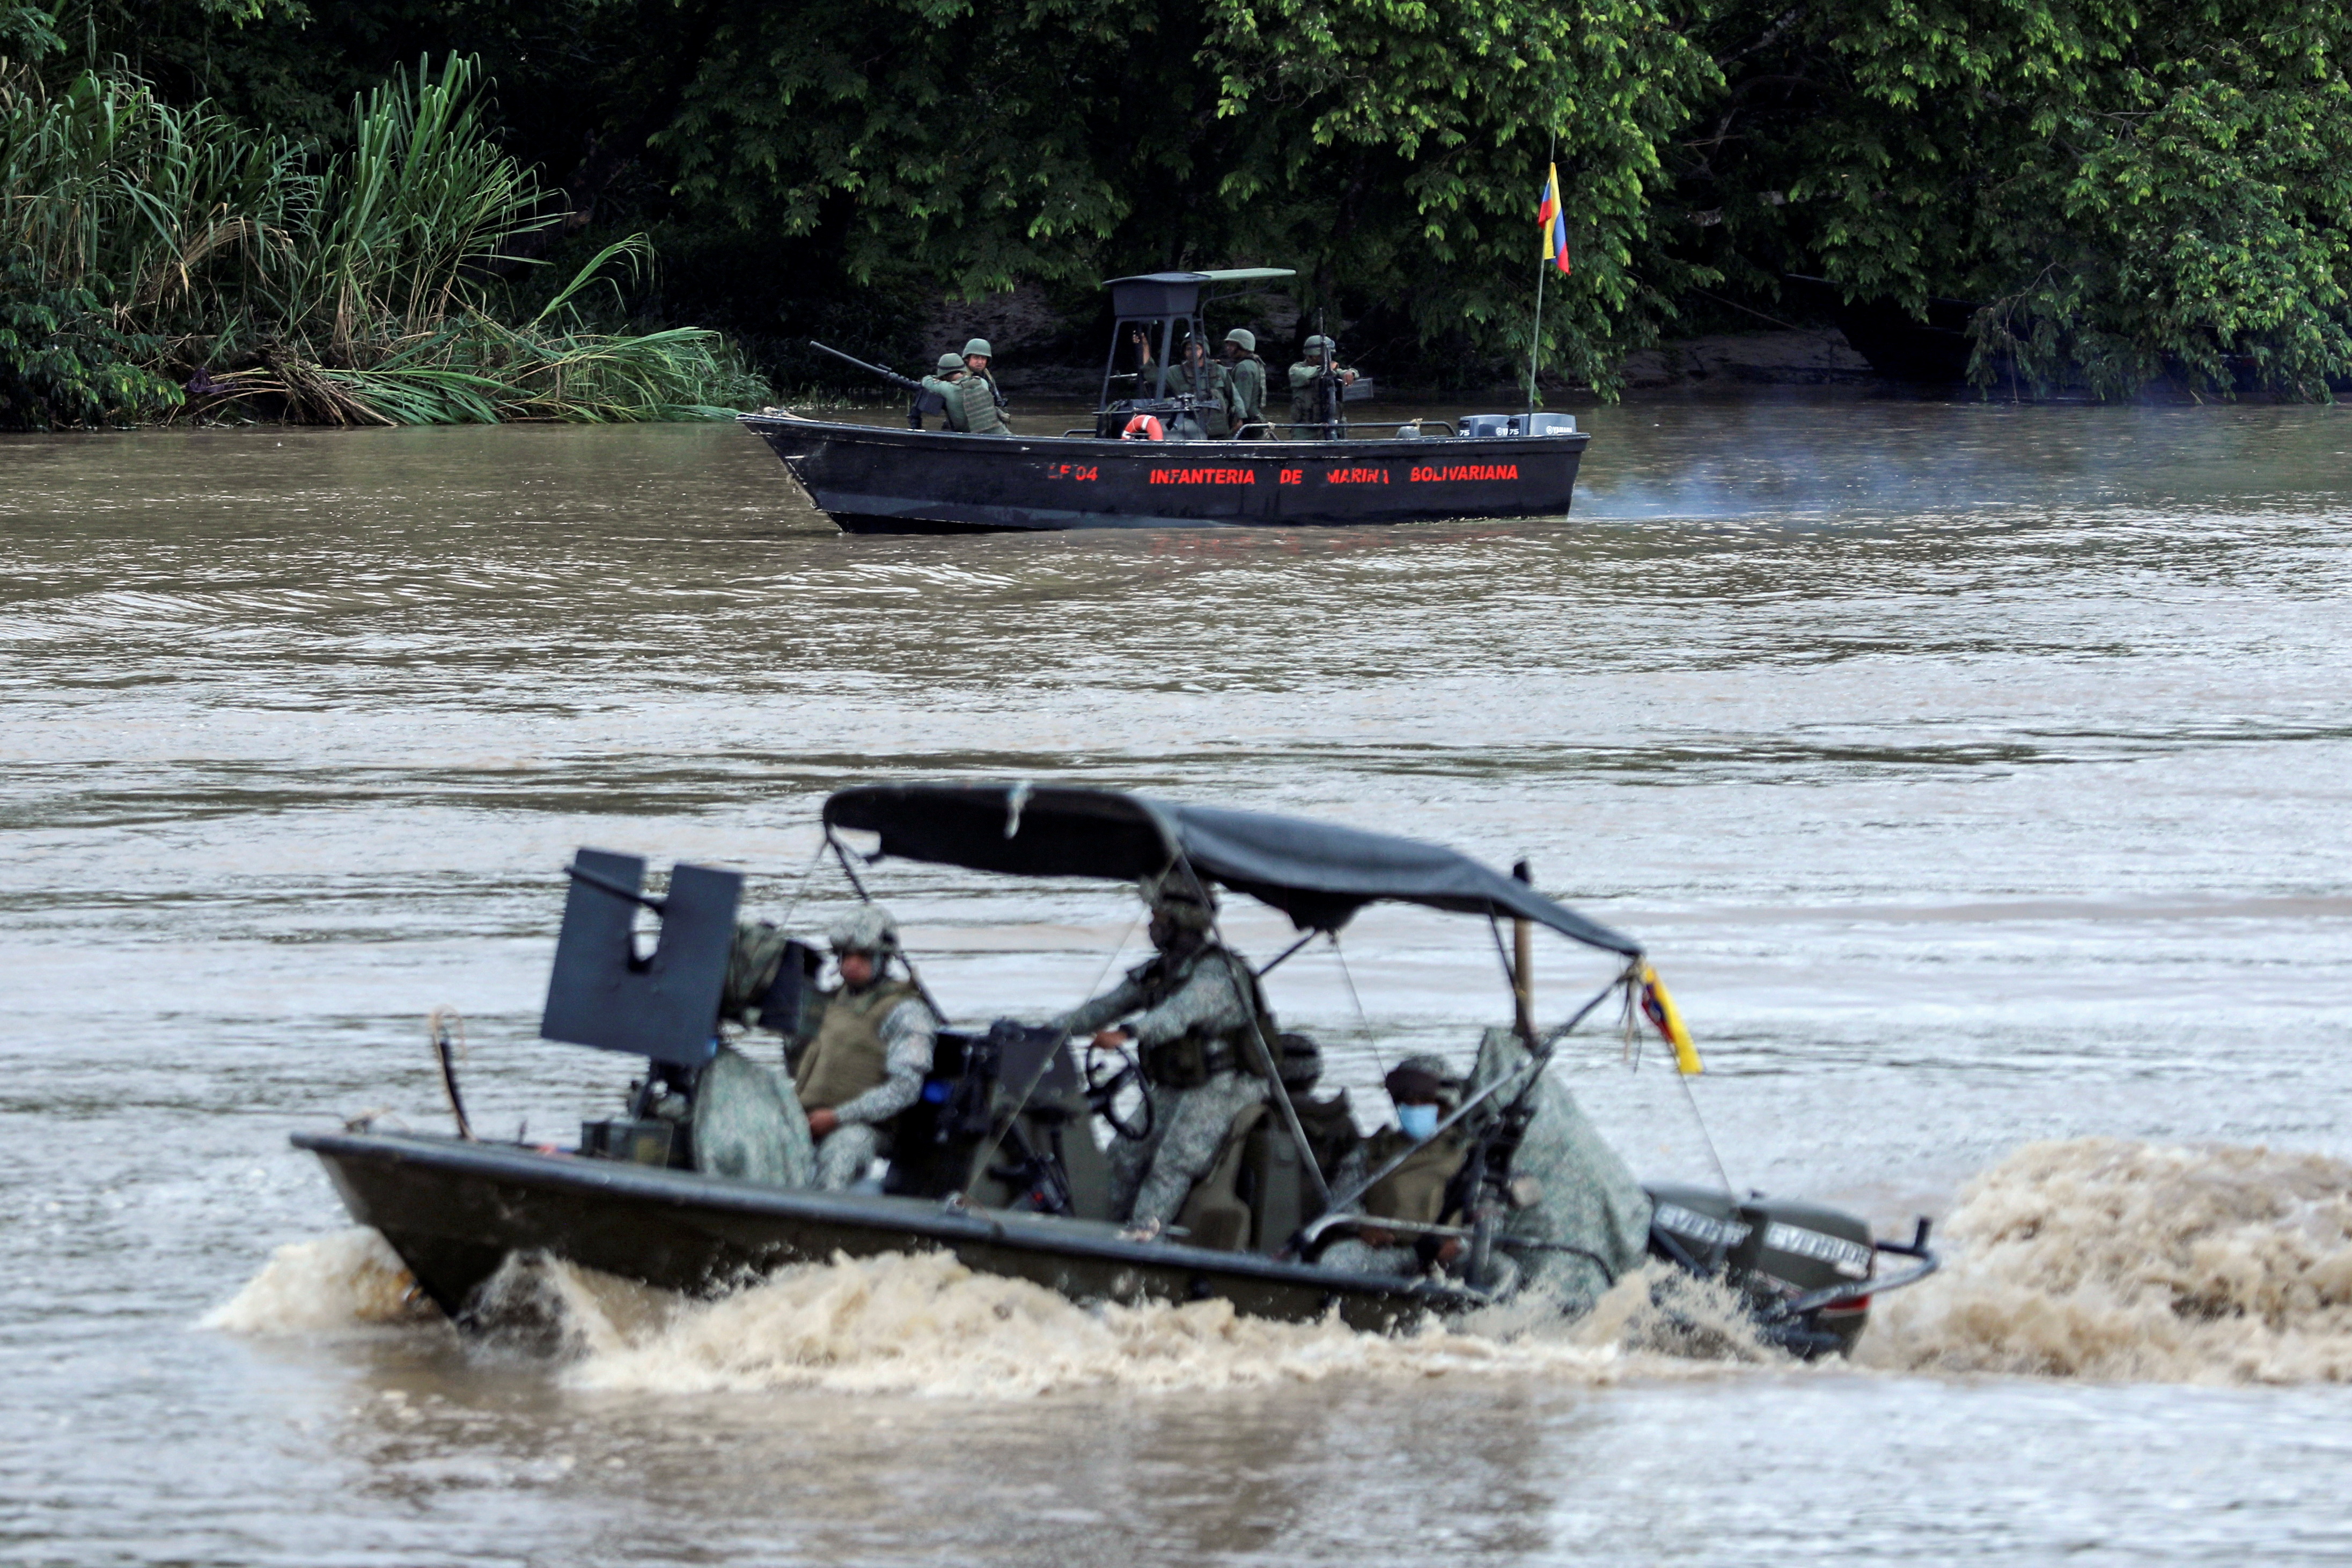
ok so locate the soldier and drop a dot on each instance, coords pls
(1314, 397)
(1247, 373)
(942, 386)
(1197, 1023)
(1210, 388)
(870, 1053)
(983, 404)
(976, 355)
(1423, 1088)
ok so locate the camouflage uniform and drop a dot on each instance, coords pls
(908, 1032)
(1206, 995)
(1247, 373)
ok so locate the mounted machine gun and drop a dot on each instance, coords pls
(922, 402)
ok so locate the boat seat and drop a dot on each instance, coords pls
(1256, 1193)
(1218, 1214)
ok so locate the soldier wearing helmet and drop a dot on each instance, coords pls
(1246, 372)
(1198, 1024)
(942, 386)
(1317, 384)
(983, 401)
(871, 1050)
(1209, 386)
(1422, 1088)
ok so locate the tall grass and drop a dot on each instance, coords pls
(227, 268)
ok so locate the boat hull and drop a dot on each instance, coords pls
(456, 1210)
(872, 479)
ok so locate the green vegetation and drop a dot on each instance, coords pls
(2129, 193)
(166, 261)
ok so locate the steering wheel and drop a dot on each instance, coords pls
(1102, 1094)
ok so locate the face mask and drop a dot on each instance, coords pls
(1418, 1122)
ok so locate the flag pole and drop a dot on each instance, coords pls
(1534, 344)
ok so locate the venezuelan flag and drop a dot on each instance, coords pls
(1553, 216)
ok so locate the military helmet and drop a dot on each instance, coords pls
(979, 346)
(950, 363)
(1180, 899)
(1299, 1058)
(1422, 1080)
(867, 928)
(1246, 338)
(1318, 342)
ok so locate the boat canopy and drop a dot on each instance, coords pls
(1157, 293)
(1317, 873)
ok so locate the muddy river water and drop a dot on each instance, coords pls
(1979, 776)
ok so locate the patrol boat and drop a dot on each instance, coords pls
(999, 1160)
(1142, 462)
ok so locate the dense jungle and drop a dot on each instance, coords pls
(416, 211)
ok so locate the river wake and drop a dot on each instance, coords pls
(2097, 1258)
(922, 1324)
(2093, 1258)
(352, 1278)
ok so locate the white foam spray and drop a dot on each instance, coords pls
(2098, 1258)
(348, 1280)
(923, 1324)
(2095, 1257)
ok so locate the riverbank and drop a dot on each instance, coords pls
(164, 264)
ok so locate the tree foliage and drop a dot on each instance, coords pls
(158, 256)
(2130, 189)
(2127, 190)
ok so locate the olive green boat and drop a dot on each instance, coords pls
(1000, 1162)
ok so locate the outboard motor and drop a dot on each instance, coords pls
(1783, 1255)
(1492, 424)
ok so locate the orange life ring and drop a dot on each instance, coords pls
(1144, 427)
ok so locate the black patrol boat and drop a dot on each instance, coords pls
(1143, 462)
(1000, 1161)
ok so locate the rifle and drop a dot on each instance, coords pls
(1327, 392)
(925, 401)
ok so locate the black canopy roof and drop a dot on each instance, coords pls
(1317, 873)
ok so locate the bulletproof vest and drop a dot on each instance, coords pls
(1209, 385)
(848, 1057)
(980, 413)
(1416, 1191)
(1187, 1062)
